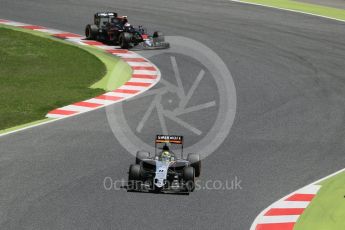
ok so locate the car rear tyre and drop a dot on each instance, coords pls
(140, 156)
(91, 32)
(124, 40)
(195, 162)
(189, 178)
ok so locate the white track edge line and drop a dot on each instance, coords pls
(279, 219)
(285, 9)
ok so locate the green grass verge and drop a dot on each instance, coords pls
(40, 73)
(304, 7)
(118, 71)
(327, 210)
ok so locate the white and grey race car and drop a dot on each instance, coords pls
(165, 171)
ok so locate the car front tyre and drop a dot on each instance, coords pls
(195, 162)
(189, 178)
(134, 177)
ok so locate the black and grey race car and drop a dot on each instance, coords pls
(164, 171)
(110, 28)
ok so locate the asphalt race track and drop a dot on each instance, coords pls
(288, 70)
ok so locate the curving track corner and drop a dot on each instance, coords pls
(283, 214)
(144, 76)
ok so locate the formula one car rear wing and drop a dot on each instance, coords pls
(106, 14)
(169, 139)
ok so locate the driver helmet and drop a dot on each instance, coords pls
(125, 19)
(166, 155)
